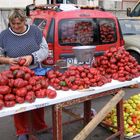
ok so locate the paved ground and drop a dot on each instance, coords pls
(7, 131)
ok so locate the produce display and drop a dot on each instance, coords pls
(131, 108)
(118, 64)
(19, 84)
(115, 64)
(76, 77)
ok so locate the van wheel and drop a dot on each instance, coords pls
(135, 55)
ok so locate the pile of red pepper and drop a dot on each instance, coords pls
(76, 77)
(118, 64)
(115, 64)
(19, 84)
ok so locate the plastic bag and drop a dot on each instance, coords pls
(41, 71)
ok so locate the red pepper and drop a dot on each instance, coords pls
(37, 87)
(8, 74)
(19, 74)
(3, 80)
(74, 87)
(21, 61)
(20, 83)
(27, 70)
(5, 90)
(93, 71)
(44, 83)
(56, 86)
(41, 93)
(51, 93)
(29, 87)
(32, 81)
(19, 99)
(27, 76)
(83, 74)
(10, 103)
(30, 97)
(113, 60)
(11, 83)
(9, 97)
(63, 88)
(80, 68)
(21, 92)
(1, 97)
(14, 67)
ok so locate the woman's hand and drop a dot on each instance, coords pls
(8, 60)
(28, 60)
(13, 61)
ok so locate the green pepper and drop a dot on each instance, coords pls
(62, 83)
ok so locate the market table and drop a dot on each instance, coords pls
(68, 98)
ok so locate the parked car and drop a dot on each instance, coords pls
(67, 26)
(135, 11)
(131, 33)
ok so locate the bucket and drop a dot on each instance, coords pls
(84, 53)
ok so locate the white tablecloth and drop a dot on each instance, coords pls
(65, 96)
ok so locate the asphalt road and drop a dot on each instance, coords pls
(7, 131)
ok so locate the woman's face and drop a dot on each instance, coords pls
(17, 25)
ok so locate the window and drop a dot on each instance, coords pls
(59, 1)
(136, 11)
(130, 26)
(86, 32)
(41, 23)
(107, 31)
(50, 35)
(71, 1)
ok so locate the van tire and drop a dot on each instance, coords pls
(135, 55)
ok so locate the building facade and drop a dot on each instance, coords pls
(106, 4)
(6, 5)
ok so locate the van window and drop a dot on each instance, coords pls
(130, 26)
(136, 11)
(50, 34)
(107, 29)
(41, 23)
(87, 32)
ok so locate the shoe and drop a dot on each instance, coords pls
(23, 137)
(93, 113)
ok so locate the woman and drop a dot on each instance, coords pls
(24, 41)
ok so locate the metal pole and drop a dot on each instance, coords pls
(122, 5)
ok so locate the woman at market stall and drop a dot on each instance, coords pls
(21, 40)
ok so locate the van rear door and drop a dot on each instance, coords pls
(100, 32)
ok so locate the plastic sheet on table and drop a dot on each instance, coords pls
(41, 71)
